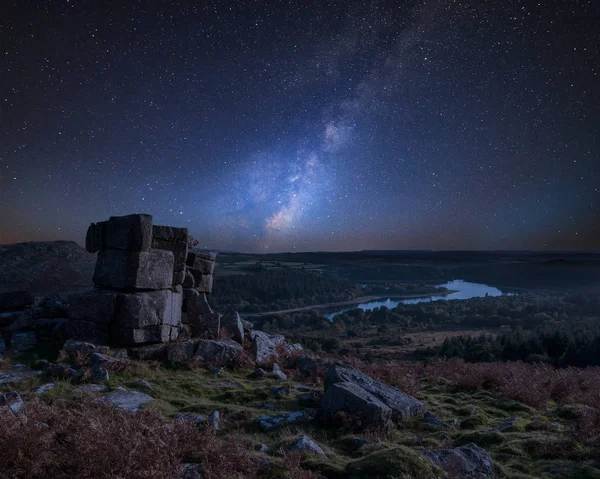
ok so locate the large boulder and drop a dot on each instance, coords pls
(232, 323)
(403, 406)
(359, 404)
(469, 461)
(204, 321)
(150, 308)
(134, 270)
(174, 240)
(264, 348)
(15, 300)
(223, 352)
(130, 233)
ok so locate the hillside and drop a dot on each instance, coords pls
(45, 267)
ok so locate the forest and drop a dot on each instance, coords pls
(561, 344)
(267, 290)
(562, 329)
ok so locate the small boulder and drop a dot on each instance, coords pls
(468, 461)
(99, 374)
(198, 419)
(232, 323)
(223, 352)
(91, 388)
(74, 346)
(278, 373)
(126, 400)
(267, 423)
(248, 326)
(261, 448)
(306, 445)
(306, 364)
(60, 370)
(214, 420)
(430, 419)
(280, 391)
(44, 389)
(142, 383)
(257, 373)
(13, 401)
(190, 471)
(15, 377)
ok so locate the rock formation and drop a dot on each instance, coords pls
(139, 276)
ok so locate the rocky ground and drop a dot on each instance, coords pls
(304, 419)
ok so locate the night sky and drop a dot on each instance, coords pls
(302, 126)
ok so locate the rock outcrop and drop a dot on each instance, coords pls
(139, 272)
(371, 402)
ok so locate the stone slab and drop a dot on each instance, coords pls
(130, 233)
(134, 270)
(149, 308)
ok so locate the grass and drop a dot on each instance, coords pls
(556, 435)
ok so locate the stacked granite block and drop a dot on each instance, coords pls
(139, 271)
(198, 282)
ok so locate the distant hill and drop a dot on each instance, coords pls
(44, 267)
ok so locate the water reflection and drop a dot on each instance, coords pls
(464, 290)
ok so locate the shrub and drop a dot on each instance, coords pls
(89, 439)
(532, 384)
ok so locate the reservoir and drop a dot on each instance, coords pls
(462, 290)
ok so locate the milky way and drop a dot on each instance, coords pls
(272, 126)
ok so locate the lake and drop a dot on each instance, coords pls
(463, 290)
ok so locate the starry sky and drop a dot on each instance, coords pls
(272, 126)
